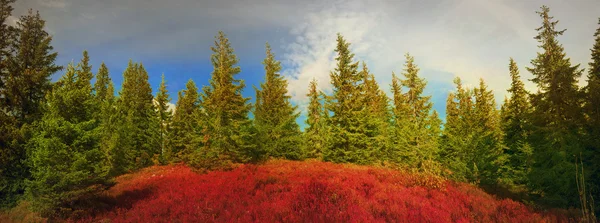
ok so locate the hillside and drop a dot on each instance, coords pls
(309, 191)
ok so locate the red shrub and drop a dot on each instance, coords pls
(304, 192)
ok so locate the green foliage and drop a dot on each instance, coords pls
(26, 64)
(228, 132)
(416, 127)
(274, 115)
(472, 137)
(137, 127)
(64, 154)
(316, 132)
(516, 128)
(347, 124)
(182, 137)
(556, 118)
(591, 108)
(28, 69)
(165, 115)
(377, 114)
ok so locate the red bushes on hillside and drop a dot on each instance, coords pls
(304, 192)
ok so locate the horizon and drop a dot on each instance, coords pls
(476, 41)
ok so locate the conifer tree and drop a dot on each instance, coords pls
(136, 141)
(515, 113)
(29, 70)
(26, 64)
(420, 131)
(164, 114)
(185, 122)
(65, 156)
(458, 133)
(377, 113)
(489, 157)
(275, 116)
(348, 118)
(8, 191)
(316, 132)
(400, 122)
(592, 111)
(228, 132)
(556, 117)
(102, 84)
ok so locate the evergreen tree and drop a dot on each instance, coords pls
(377, 113)
(102, 84)
(592, 110)
(29, 70)
(316, 132)
(489, 157)
(400, 122)
(556, 117)
(104, 98)
(457, 134)
(348, 120)
(275, 116)
(420, 128)
(64, 153)
(165, 115)
(26, 64)
(137, 128)
(185, 122)
(228, 132)
(515, 113)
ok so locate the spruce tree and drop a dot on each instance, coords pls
(457, 134)
(165, 115)
(515, 127)
(65, 157)
(228, 132)
(347, 104)
(556, 117)
(400, 122)
(377, 113)
(316, 132)
(29, 69)
(137, 129)
(275, 116)
(26, 64)
(420, 132)
(185, 122)
(592, 111)
(489, 158)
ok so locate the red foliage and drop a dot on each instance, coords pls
(312, 191)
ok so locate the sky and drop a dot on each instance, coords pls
(470, 39)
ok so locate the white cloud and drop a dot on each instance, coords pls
(470, 39)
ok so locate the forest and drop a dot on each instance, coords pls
(62, 142)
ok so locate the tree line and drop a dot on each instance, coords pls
(66, 140)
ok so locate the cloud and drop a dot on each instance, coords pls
(53, 3)
(468, 39)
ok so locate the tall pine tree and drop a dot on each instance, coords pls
(515, 127)
(136, 139)
(316, 132)
(165, 115)
(228, 132)
(420, 129)
(377, 113)
(185, 123)
(26, 64)
(64, 153)
(347, 105)
(592, 111)
(275, 116)
(556, 117)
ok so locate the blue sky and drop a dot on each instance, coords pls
(470, 39)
